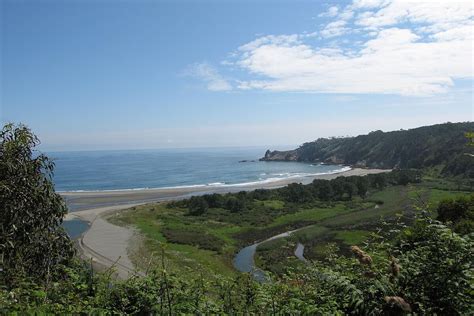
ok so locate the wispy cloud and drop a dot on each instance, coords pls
(331, 12)
(210, 75)
(403, 47)
(335, 28)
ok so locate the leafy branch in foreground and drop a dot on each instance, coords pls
(32, 242)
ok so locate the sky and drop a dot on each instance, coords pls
(86, 75)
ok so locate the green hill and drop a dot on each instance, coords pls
(442, 146)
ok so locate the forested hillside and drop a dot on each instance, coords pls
(442, 147)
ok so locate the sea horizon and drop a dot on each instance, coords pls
(119, 170)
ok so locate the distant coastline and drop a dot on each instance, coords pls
(441, 146)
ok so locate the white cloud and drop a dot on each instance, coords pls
(416, 48)
(331, 12)
(335, 28)
(436, 13)
(368, 4)
(456, 33)
(347, 14)
(271, 39)
(207, 73)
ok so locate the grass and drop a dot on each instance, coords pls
(184, 237)
(394, 200)
(351, 237)
(180, 258)
(274, 204)
(311, 215)
(310, 233)
(272, 244)
(437, 196)
(276, 256)
(148, 228)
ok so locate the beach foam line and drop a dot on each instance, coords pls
(190, 186)
(215, 184)
(291, 176)
(282, 176)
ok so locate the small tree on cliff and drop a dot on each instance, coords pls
(33, 243)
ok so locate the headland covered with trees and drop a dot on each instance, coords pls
(439, 148)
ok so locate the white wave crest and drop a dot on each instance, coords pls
(276, 177)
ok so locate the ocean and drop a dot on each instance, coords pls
(165, 168)
(169, 168)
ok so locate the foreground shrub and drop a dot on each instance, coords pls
(428, 270)
(32, 242)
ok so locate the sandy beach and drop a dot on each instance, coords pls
(106, 244)
(103, 243)
(86, 200)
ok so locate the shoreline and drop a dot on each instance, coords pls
(217, 185)
(83, 200)
(106, 244)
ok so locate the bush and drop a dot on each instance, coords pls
(437, 268)
(460, 212)
(235, 205)
(33, 243)
(195, 238)
(197, 205)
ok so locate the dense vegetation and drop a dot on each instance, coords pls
(338, 189)
(441, 147)
(459, 212)
(426, 271)
(32, 242)
(411, 264)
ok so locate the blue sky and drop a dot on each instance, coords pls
(151, 74)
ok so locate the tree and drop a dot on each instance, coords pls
(362, 186)
(297, 193)
(324, 189)
(380, 181)
(350, 188)
(433, 146)
(235, 205)
(197, 205)
(459, 211)
(262, 194)
(338, 187)
(32, 240)
(213, 200)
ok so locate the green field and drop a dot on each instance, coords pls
(207, 243)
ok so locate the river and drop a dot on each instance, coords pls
(244, 260)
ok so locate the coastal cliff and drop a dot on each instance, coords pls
(289, 155)
(442, 147)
